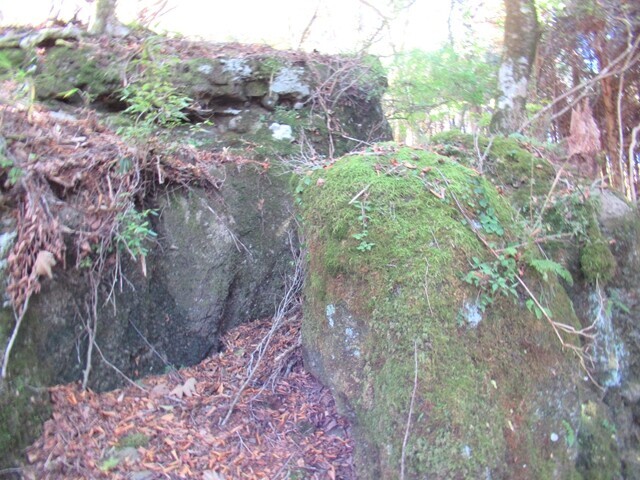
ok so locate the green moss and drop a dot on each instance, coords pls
(598, 458)
(13, 59)
(473, 382)
(24, 405)
(63, 69)
(596, 260)
(133, 440)
(268, 67)
(509, 164)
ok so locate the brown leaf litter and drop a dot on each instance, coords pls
(284, 426)
(76, 178)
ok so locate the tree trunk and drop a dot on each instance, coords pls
(520, 41)
(609, 95)
(105, 22)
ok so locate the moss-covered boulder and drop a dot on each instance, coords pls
(65, 71)
(440, 380)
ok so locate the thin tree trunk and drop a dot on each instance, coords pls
(610, 140)
(105, 22)
(520, 40)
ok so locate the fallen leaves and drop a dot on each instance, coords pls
(284, 425)
(73, 185)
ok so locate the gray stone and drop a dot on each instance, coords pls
(129, 454)
(289, 81)
(142, 475)
(612, 207)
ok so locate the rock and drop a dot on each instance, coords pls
(142, 475)
(23, 408)
(220, 261)
(128, 454)
(385, 301)
(289, 82)
(612, 207)
(281, 132)
(268, 88)
(221, 257)
(622, 304)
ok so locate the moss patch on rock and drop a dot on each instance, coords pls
(24, 403)
(65, 69)
(388, 248)
(508, 163)
(596, 260)
(599, 458)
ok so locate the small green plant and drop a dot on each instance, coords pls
(269, 67)
(487, 214)
(155, 102)
(86, 263)
(570, 434)
(546, 266)
(364, 208)
(109, 464)
(490, 222)
(498, 277)
(14, 173)
(152, 98)
(134, 230)
(536, 310)
(20, 72)
(614, 301)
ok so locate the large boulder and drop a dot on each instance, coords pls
(220, 259)
(441, 379)
(614, 308)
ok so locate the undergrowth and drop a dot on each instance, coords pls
(153, 100)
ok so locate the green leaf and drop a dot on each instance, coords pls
(109, 464)
(544, 266)
(570, 437)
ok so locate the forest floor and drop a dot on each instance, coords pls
(283, 426)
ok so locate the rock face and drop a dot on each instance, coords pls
(220, 260)
(331, 104)
(437, 385)
(221, 256)
(615, 309)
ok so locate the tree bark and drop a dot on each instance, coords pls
(105, 22)
(520, 40)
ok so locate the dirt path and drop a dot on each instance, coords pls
(284, 426)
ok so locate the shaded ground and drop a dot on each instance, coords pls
(284, 425)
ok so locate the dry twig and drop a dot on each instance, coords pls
(292, 289)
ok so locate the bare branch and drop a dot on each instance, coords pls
(606, 72)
